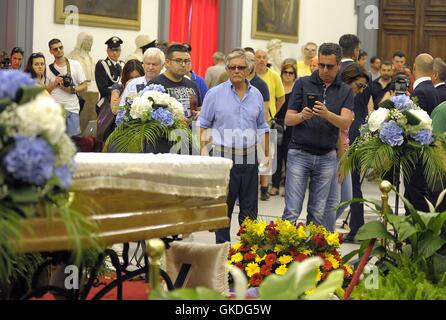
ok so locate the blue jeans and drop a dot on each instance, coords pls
(73, 126)
(302, 166)
(338, 193)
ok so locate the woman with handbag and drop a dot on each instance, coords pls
(288, 75)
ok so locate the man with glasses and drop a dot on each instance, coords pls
(177, 65)
(319, 106)
(65, 81)
(232, 122)
(304, 65)
(16, 58)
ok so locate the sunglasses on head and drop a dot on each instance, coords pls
(18, 50)
(328, 66)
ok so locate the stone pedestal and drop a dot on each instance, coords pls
(89, 111)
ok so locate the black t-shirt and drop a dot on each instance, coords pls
(185, 91)
(317, 136)
(261, 85)
(378, 92)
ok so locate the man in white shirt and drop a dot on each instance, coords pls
(154, 60)
(65, 80)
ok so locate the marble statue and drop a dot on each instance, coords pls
(274, 47)
(81, 53)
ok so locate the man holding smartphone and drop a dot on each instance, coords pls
(320, 105)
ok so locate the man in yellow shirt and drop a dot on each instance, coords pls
(303, 66)
(277, 99)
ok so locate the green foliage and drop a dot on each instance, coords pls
(406, 281)
(131, 137)
(420, 236)
(293, 285)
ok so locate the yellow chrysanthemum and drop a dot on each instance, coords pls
(348, 269)
(237, 246)
(260, 228)
(307, 252)
(254, 248)
(332, 239)
(285, 259)
(318, 275)
(252, 268)
(281, 270)
(260, 259)
(238, 257)
(334, 262)
(278, 248)
(301, 233)
(308, 292)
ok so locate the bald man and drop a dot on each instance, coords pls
(416, 187)
(423, 88)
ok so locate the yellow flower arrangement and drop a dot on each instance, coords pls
(266, 249)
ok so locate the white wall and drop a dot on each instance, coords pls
(45, 29)
(319, 21)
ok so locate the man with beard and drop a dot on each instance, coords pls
(380, 86)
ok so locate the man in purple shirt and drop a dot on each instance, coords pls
(232, 122)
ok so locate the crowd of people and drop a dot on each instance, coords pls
(320, 101)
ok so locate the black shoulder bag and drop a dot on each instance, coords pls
(57, 73)
(275, 125)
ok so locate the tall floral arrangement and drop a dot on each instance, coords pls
(266, 249)
(145, 119)
(398, 132)
(36, 165)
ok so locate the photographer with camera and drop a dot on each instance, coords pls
(65, 81)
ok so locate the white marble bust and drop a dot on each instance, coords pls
(81, 53)
(274, 47)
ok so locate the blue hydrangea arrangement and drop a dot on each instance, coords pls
(145, 119)
(398, 132)
(36, 168)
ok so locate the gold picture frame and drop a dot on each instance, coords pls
(116, 14)
(276, 19)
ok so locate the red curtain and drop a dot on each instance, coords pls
(196, 22)
(179, 20)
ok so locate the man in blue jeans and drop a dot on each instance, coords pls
(312, 150)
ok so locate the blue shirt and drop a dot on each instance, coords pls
(201, 84)
(242, 120)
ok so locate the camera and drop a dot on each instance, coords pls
(312, 98)
(400, 84)
(67, 81)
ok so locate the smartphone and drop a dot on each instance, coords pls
(312, 98)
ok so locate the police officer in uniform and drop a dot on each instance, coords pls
(108, 71)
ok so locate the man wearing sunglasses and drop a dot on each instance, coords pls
(319, 106)
(16, 58)
(232, 123)
(65, 81)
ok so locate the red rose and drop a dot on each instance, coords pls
(256, 280)
(319, 240)
(300, 257)
(327, 266)
(245, 248)
(293, 251)
(270, 259)
(240, 266)
(265, 270)
(249, 256)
